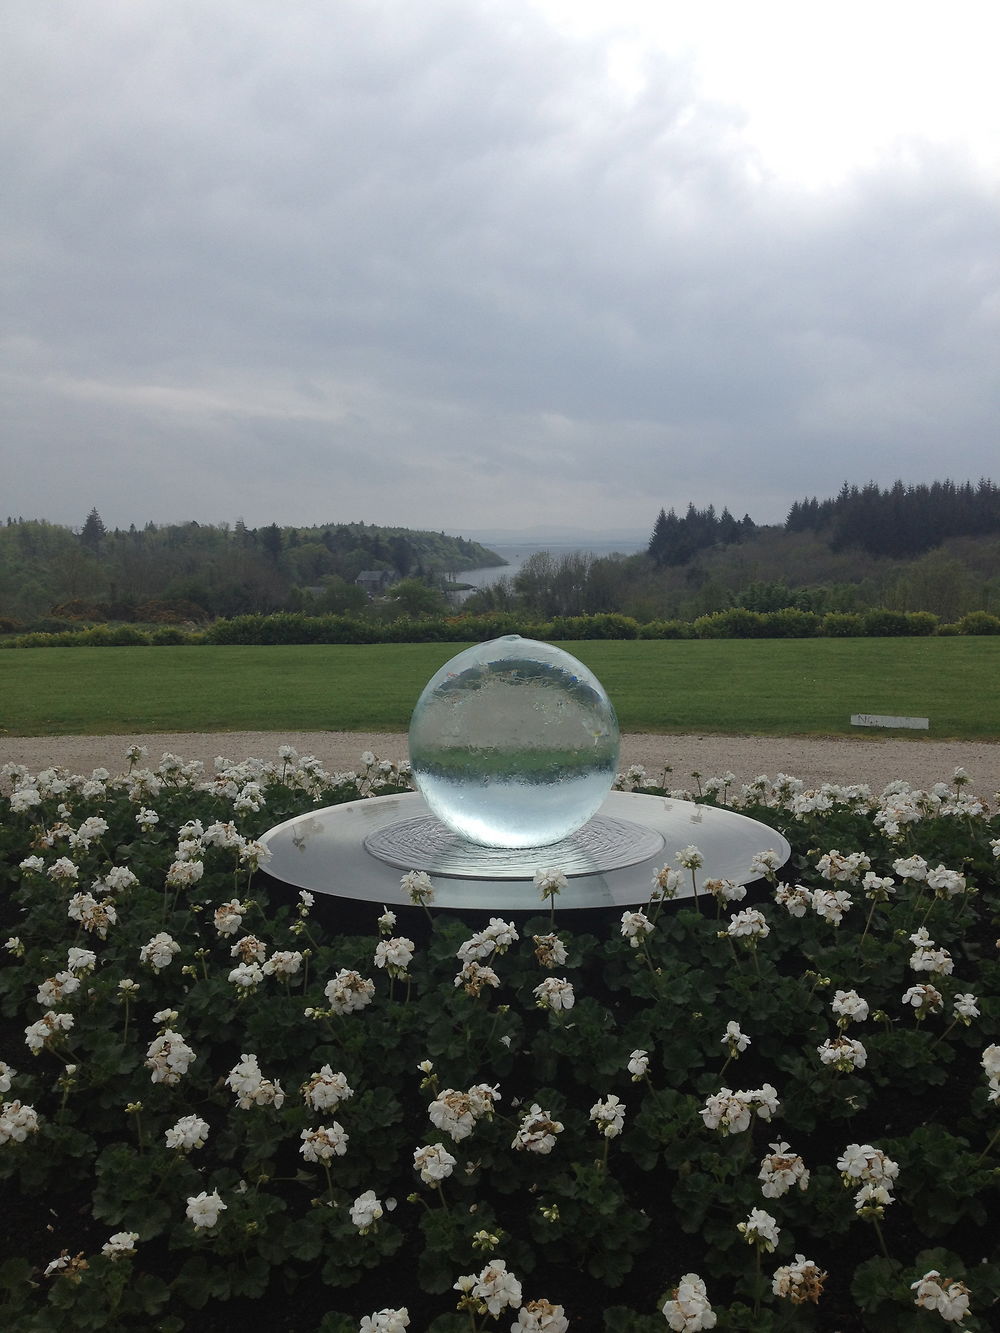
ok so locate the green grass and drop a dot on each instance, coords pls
(763, 686)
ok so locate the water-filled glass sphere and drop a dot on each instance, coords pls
(514, 743)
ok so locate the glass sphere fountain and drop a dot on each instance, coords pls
(514, 743)
(514, 750)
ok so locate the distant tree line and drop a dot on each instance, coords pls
(902, 520)
(212, 570)
(675, 541)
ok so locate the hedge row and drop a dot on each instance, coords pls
(297, 628)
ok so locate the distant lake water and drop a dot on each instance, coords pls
(517, 555)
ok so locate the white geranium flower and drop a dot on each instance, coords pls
(324, 1143)
(434, 1162)
(48, 1029)
(251, 1087)
(540, 1317)
(229, 917)
(189, 1132)
(325, 1090)
(831, 904)
(554, 993)
(417, 886)
(761, 1229)
(366, 1211)
(948, 1297)
(54, 990)
(159, 952)
(638, 1064)
(17, 1122)
(537, 1131)
(283, 963)
(497, 1288)
(781, 1171)
(121, 1245)
(799, 1282)
(844, 1053)
(204, 1209)
(690, 1309)
(549, 950)
(169, 1057)
(750, 924)
(80, 960)
(635, 927)
(386, 1321)
(550, 882)
(394, 955)
(609, 1116)
(795, 900)
(736, 1040)
(348, 992)
(246, 975)
(849, 1007)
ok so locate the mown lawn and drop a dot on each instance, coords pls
(769, 687)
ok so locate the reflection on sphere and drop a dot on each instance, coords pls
(514, 743)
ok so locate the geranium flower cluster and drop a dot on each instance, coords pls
(731, 1112)
(875, 1171)
(457, 1113)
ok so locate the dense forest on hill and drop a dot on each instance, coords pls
(933, 548)
(929, 548)
(196, 571)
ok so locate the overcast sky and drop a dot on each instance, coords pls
(493, 264)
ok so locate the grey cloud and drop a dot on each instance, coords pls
(432, 254)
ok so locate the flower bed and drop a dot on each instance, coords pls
(762, 1109)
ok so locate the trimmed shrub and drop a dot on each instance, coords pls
(736, 623)
(883, 623)
(978, 622)
(666, 629)
(842, 625)
(791, 623)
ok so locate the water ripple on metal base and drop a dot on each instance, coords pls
(603, 844)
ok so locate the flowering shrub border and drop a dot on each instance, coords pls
(761, 1108)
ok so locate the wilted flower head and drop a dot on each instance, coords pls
(781, 1171)
(326, 1089)
(925, 1000)
(169, 1057)
(843, 1053)
(434, 1162)
(540, 1317)
(324, 1143)
(537, 1131)
(947, 1296)
(799, 1282)
(549, 950)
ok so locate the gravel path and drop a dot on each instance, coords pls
(844, 759)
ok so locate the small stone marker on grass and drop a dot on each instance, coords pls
(881, 720)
